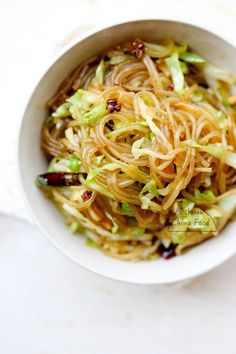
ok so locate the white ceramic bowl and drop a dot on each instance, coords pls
(32, 162)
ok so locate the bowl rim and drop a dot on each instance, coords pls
(42, 73)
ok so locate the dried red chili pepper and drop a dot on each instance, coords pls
(58, 179)
(166, 253)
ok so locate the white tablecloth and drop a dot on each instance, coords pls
(48, 304)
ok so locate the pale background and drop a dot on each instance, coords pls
(48, 305)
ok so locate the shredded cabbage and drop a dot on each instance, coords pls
(191, 58)
(98, 188)
(164, 191)
(184, 67)
(74, 227)
(58, 164)
(71, 137)
(198, 96)
(62, 111)
(90, 183)
(228, 208)
(74, 163)
(184, 206)
(178, 237)
(94, 172)
(120, 58)
(135, 231)
(143, 124)
(121, 128)
(74, 212)
(91, 243)
(96, 113)
(213, 72)
(182, 48)
(155, 50)
(214, 213)
(146, 195)
(224, 98)
(215, 150)
(81, 102)
(98, 159)
(204, 196)
(100, 73)
(115, 226)
(142, 147)
(176, 72)
(148, 113)
(222, 119)
(126, 209)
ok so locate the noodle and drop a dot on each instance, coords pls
(141, 144)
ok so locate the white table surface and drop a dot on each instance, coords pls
(48, 305)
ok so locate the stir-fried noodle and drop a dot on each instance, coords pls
(142, 148)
